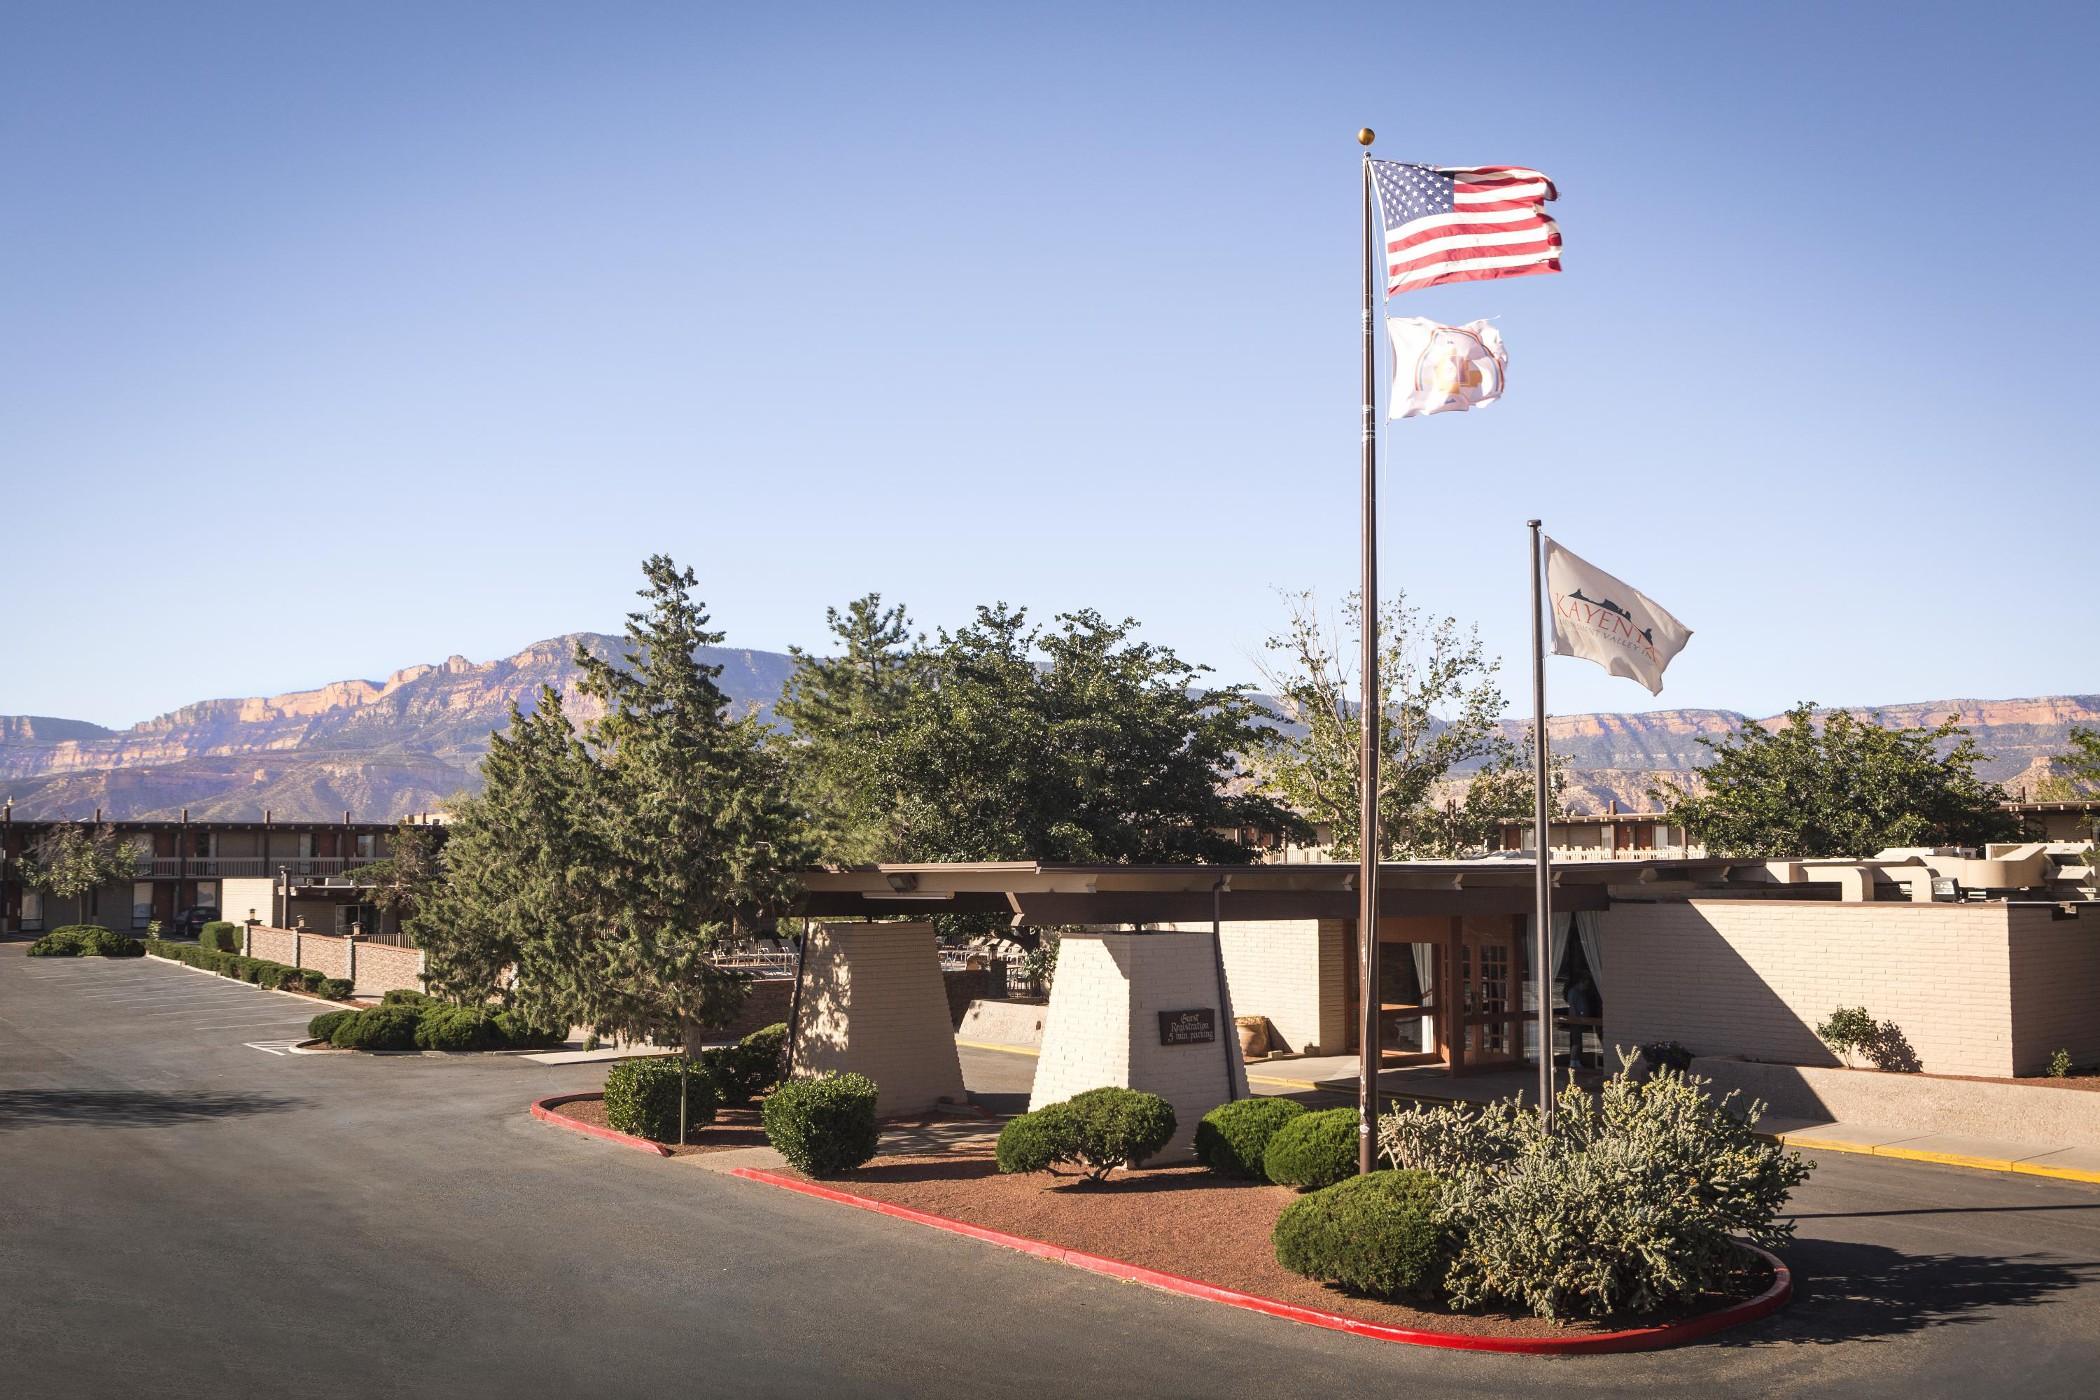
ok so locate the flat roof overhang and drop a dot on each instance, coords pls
(1033, 893)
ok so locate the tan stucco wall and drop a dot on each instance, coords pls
(873, 1002)
(1753, 977)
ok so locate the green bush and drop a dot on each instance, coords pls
(1101, 1129)
(380, 1028)
(519, 1033)
(824, 1125)
(1313, 1150)
(219, 936)
(1631, 1202)
(310, 981)
(85, 941)
(759, 1056)
(401, 996)
(1233, 1136)
(456, 1028)
(323, 1026)
(1034, 1142)
(641, 1096)
(724, 1071)
(1378, 1235)
(336, 988)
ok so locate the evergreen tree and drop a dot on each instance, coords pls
(843, 711)
(689, 833)
(1844, 787)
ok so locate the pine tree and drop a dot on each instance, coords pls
(843, 711)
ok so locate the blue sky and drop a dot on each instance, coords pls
(335, 339)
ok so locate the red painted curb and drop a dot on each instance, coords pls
(1764, 1304)
(543, 1109)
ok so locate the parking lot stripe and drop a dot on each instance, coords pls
(237, 1025)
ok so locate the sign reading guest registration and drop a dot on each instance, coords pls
(1197, 1027)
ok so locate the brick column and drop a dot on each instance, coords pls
(874, 1002)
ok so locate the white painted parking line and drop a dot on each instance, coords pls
(237, 1025)
(272, 1047)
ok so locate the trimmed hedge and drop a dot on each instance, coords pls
(1233, 1136)
(519, 1033)
(1101, 1129)
(261, 971)
(85, 941)
(1313, 1150)
(1377, 1235)
(641, 1096)
(220, 936)
(323, 1026)
(824, 1125)
(380, 1028)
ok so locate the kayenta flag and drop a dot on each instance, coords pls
(1443, 369)
(1600, 619)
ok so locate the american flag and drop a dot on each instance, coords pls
(1460, 223)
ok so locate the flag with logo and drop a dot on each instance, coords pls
(1601, 619)
(1443, 369)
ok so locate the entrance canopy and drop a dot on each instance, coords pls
(1033, 893)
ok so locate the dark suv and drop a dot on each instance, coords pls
(190, 922)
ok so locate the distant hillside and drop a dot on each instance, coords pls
(380, 749)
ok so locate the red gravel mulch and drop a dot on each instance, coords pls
(1181, 1220)
(732, 1128)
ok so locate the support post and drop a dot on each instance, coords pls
(1369, 718)
(1217, 950)
(1542, 936)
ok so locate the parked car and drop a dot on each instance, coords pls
(190, 922)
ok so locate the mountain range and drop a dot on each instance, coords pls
(409, 743)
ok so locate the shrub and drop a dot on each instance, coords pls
(85, 941)
(641, 1096)
(455, 1028)
(1233, 1136)
(1313, 1150)
(310, 981)
(1850, 1031)
(401, 996)
(2060, 1065)
(59, 943)
(1101, 1129)
(380, 1028)
(519, 1033)
(323, 1026)
(1378, 1234)
(1627, 1204)
(220, 937)
(724, 1072)
(759, 1056)
(336, 988)
(1666, 1054)
(1034, 1141)
(825, 1125)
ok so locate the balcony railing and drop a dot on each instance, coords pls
(223, 867)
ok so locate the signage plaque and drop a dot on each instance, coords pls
(1195, 1027)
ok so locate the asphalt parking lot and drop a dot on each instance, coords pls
(183, 1213)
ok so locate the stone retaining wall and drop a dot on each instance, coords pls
(1915, 1102)
(372, 969)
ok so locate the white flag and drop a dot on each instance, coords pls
(1443, 369)
(1600, 619)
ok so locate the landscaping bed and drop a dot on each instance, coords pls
(1187, 1221)
(732, 1129)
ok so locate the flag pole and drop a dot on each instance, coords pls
(1370, 1058)
(1542, 943)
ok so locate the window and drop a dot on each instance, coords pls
(364, 844)
(207, 894)
(362, 917)
(141, 903)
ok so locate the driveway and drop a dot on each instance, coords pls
(182, 1214)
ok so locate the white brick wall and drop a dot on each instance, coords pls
(1103, 1025)
(1289, 970)
(873, 1002)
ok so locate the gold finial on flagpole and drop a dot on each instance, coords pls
(1366, 136)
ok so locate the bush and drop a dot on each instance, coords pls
(723, 1071)
(380, 1028)
(2060, 1065)
(1377, 1235)
(1850, 1031)
(759, 1057)
(336, 988)
(825, 1125)
(1101, 1129)
(85, 941)
(519, 1033)
(1666, 1054)
(1313, 1150)
(401, 996)
(1033, 1142)
(1627, 1204)
(322, 1027)
(456, 1028)
(219, 936)
(641, 1096)
(1233, 1136)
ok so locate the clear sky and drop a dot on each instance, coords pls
(339, 338)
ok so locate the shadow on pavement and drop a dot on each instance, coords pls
(1861, 1292)
(127, 1108)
